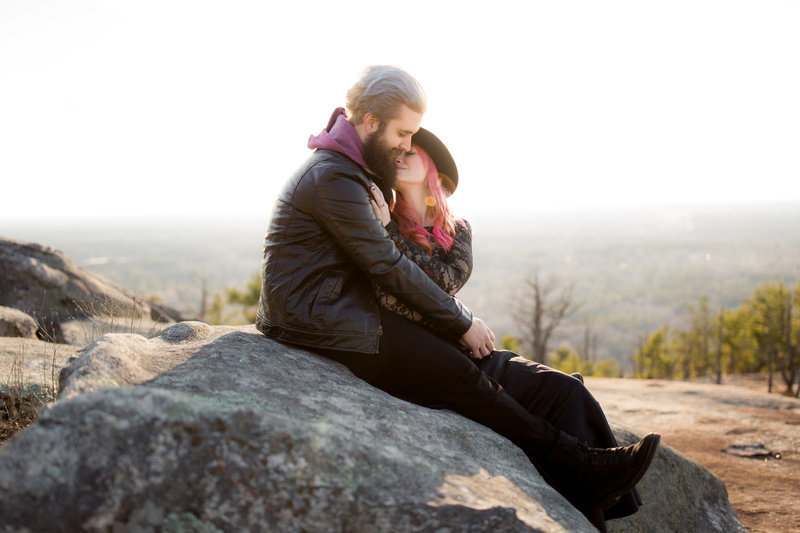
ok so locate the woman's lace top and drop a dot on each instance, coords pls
(449, 270)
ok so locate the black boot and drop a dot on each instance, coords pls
(599, 476)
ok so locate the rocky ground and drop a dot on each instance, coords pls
(701, 420)
(698, 419)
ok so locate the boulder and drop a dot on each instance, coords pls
(46, 284)
(221, 429)
(15, 323)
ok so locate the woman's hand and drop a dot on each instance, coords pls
(379, 205)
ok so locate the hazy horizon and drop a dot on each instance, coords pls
(634, 269)
(483, 212)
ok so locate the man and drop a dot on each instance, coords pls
(324, 247)
(330, 197)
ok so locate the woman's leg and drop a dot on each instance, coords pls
(557, 397)
(418, 366)
(425, 369)
(564, 402)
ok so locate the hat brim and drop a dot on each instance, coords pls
(448, 172)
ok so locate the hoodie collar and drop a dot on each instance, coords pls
(340, 136)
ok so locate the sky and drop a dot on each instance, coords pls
(148, 108)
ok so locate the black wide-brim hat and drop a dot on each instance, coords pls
(448, 172)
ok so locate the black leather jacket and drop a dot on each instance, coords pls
(322, 248)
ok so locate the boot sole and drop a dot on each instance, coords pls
(650, 445)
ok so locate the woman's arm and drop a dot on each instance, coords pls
(449, 270)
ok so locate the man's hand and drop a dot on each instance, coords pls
(479, 339)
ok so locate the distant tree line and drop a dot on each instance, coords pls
(761, 335)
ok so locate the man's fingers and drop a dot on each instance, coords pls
(484, 352)
(479, 338)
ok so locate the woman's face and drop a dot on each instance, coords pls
(410, 168)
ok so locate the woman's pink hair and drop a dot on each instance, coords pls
(443, 228)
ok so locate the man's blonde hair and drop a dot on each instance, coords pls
(381, 91)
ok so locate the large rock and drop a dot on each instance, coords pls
(15, 323)
(221, 429)
(46, 284)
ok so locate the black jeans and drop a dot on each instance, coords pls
(416, 365)
(569, 406)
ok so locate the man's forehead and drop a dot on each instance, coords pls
(406, 120)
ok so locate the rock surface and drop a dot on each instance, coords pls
(15, 323)
(28, 361)
(47, 285)
(221, 429)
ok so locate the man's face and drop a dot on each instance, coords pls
(398, 131)
(392, 139)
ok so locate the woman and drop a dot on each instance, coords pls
(424, 230)
(422, 226)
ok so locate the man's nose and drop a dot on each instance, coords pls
(405, 144)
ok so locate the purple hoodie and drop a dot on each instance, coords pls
(340, 136)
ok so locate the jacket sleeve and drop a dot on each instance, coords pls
(340, 204)
(449, 271)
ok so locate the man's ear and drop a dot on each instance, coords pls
(371, 123)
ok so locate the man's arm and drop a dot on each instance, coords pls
(340, 204)
(451, 274)
(478, 339)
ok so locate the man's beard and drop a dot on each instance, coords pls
(381, 159)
